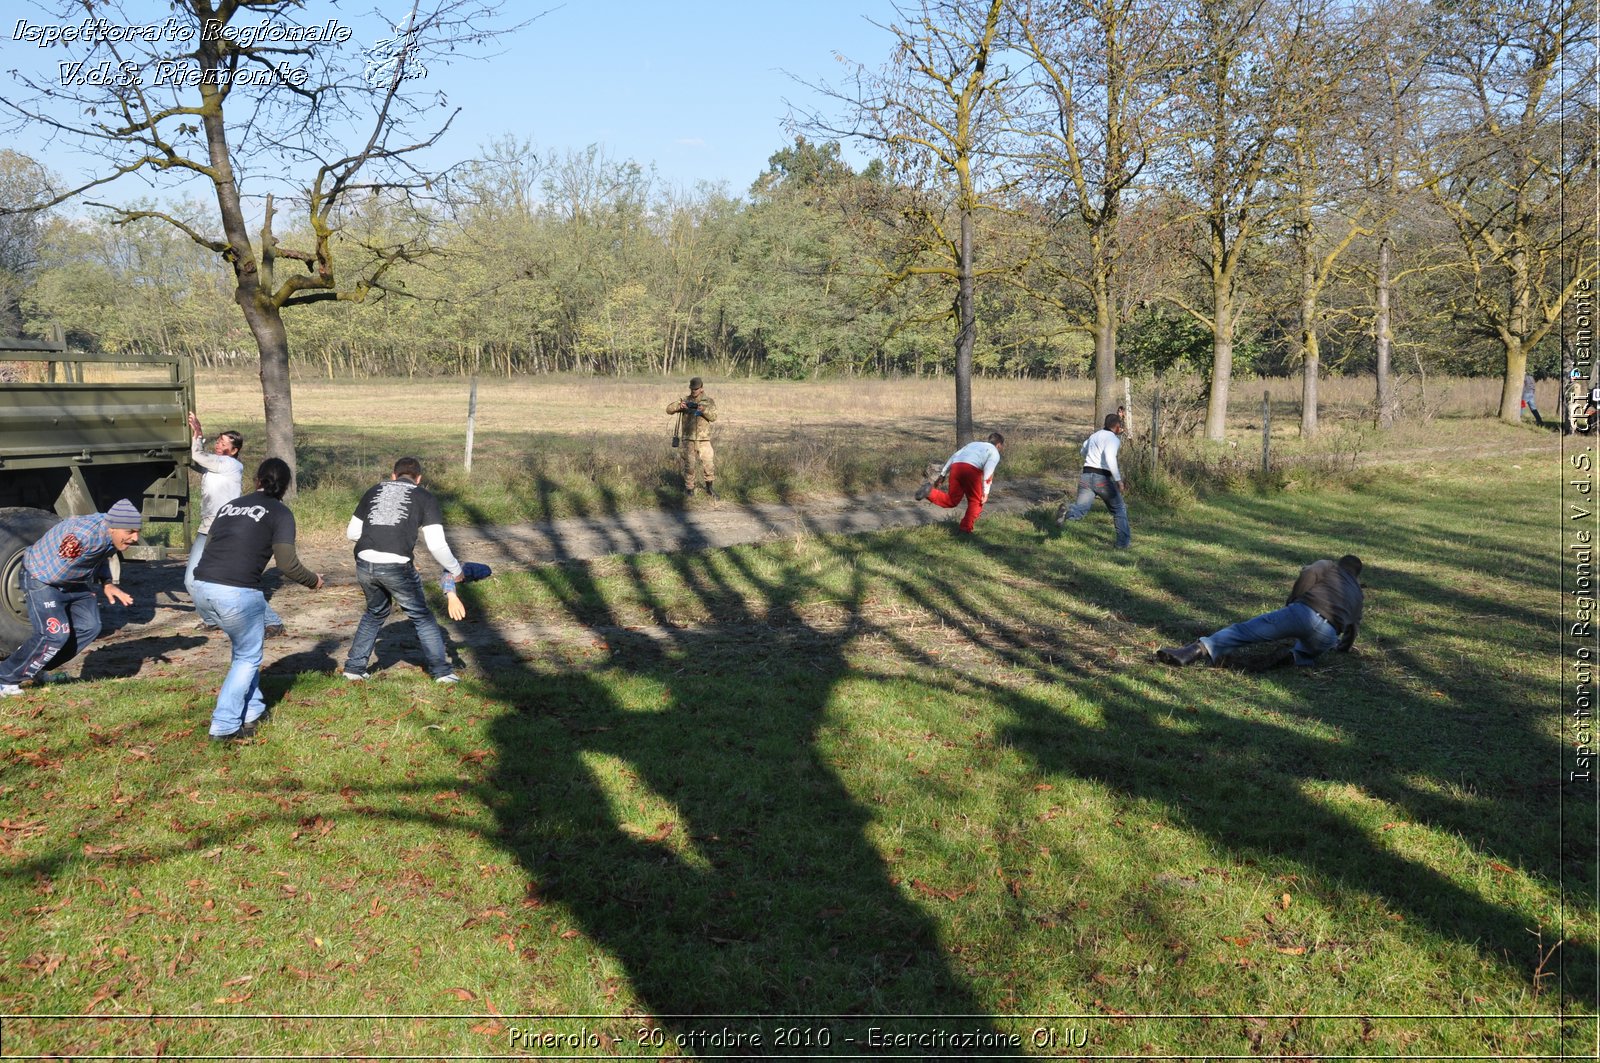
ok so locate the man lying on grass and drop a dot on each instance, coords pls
(1323, 612)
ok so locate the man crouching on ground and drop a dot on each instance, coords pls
(56, 573)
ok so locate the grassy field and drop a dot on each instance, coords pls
(841, 781)
(579, 446)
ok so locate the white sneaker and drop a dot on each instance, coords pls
(9, 690)
(357, 676)
(451, 678)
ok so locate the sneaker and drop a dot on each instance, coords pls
(925, 490)
(9, 690)
(252, 726)
(201, 625)
(46, 678)
(274, 631)
(1061, 514)
(358, 676)
(241, 735)
(450, 677)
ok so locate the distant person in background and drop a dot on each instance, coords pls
(223, 481)
(246, 533)
(57, 571)
(970, 474)
(384, 528)
(1528, 399)
(1322, 614)
(1102, 478)
(692, 436)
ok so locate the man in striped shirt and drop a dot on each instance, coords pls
(56, 575)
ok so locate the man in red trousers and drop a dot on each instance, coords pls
(970, 472)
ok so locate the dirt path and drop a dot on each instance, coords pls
(159, 634)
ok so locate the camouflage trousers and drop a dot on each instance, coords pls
(692, 451)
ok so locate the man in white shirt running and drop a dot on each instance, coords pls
(222, 481)
(1102, 478)
(971, 474)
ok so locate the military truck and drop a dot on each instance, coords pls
(71, 445)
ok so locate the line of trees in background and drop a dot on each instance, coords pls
(1211, 186)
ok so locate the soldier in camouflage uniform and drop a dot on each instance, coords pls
(695, 413)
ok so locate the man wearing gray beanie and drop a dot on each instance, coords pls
(58, 573)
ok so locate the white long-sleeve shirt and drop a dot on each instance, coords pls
(223, 481)
(985, 456)
(1100, 452)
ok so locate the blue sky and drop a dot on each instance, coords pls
(695, 87)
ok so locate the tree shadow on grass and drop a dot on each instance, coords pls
(677, 805)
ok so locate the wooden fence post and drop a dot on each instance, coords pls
(472, 418)
(1266, 431)
(1155, 431)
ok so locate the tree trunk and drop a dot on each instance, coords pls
(1311, 349)
(1221, 361)
(272, 340)
(966, 332)
(1380, 327)
(1513, 338)
(1105, 345)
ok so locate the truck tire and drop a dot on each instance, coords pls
(19, 529)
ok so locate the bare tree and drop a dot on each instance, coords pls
(252, 101)
(1236, 103)
(1104, 84)
(1512, 136)
(938, 109)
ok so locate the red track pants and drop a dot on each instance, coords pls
(966, 481)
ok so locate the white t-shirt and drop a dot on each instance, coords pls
(985, 456)
(223, 481)
(1100, 452)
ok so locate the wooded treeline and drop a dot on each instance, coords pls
(1211, 185)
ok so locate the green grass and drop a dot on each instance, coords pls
(899, 774)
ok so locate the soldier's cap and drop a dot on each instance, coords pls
(695, 383)
(124, 516)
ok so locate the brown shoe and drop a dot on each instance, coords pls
(1182, 655)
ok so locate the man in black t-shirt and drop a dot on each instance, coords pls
(385, 528)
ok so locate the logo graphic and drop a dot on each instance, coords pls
(393, 59)
(56, 626)
(71, 547)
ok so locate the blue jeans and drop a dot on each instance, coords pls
(385, 586)
(65, 620)
(195, 550)
(1092, 485)
(241, 613)
(1313, 635)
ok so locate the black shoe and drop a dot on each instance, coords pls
(711, 489)
(1061, 515)
(1182, 655)
(249, 729)
(274, 631)
(924, 491)
(241, 735)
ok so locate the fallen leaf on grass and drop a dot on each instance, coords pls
(1503, 869)
(462, 994)
(931, 891)
(43, 963)
(240, 999)
(568, 935)
(1239, 941)
(1292, 950)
